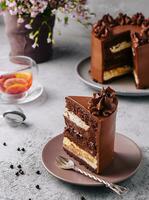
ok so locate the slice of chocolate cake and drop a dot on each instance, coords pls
(90, 129)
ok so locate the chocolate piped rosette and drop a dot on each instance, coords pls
(90, 128)
(103, 103)
(120, 46)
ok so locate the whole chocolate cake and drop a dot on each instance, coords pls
(90, 129)
(120, 46)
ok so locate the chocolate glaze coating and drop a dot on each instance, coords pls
(141, 66)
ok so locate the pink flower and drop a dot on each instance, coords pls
(35, 45)
(20, 20)
(28, 26)
(13, 12)
(49, 40)
(31, 36)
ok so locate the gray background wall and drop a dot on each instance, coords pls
(115, 6)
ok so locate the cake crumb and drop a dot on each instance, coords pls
(38, 172)
(83, 198)
(19, 166)
(23, 149)
(11, 166)
(38, 187)
(17, 174)
(18, 149)
(21, 172)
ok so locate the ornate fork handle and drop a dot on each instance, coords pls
(116, 188)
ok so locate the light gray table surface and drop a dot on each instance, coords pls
(45, 120)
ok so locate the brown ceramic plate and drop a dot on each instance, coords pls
(126, 162)
(124, 86)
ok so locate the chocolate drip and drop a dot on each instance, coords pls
(138, 19)
(108, 20)
(142, 38)
(145, 23)
(101, 31)
(123, 19)
(103, 103)
(103, 28)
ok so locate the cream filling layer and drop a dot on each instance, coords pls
(75, 119)
(80, 153)
(119, 71)
(120, 46)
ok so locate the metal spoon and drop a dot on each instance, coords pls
(68, 164)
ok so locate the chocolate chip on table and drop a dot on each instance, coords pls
(11, 166)
(4, 144)
(38, 187)
(83, 198)
(17, 174)
(19, 166)
(38, 172)
(23, 149)
(18, 149)
(21, 172)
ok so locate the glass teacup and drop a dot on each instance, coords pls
(16, 77)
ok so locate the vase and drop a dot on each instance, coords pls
(21, 44)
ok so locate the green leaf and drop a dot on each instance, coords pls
(3, 6)
(36, 33)
(66, 20)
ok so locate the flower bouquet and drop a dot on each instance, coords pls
(29, 24)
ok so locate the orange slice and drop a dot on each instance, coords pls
(13, 81)
(24, 75)
(15, 89)
(3, 78)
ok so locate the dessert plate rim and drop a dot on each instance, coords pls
(71, 177)
(121, 85)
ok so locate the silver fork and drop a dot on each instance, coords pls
(67, 164)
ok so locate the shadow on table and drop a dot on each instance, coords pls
(40, 100)
(137, 185)
(136, 99)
